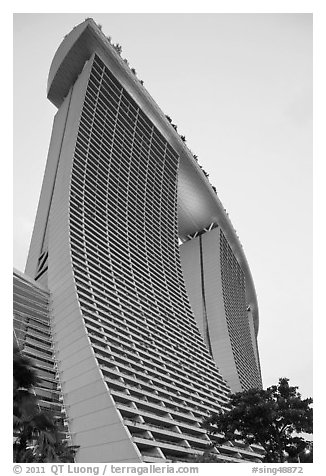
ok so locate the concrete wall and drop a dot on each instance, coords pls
(39, 235)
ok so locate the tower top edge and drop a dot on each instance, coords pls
(75, 49)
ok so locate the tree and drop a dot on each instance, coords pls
(207, 457)
(273, 418)
(118, 48)
(39, 441)
(37, 437)
(24, 379)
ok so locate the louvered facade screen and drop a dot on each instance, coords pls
(124, 248)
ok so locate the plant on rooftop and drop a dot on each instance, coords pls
(118, 48)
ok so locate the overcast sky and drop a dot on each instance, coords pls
(239, 87)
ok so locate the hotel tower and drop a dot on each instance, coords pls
(152, 307)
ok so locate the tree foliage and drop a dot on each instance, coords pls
(37, 437)
(273, 418)
(207, 457)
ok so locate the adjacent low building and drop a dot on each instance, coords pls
(33, 337)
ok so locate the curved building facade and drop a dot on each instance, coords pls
(120, 191)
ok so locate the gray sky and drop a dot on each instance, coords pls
(239, 87)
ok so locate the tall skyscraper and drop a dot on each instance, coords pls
(139, 367)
